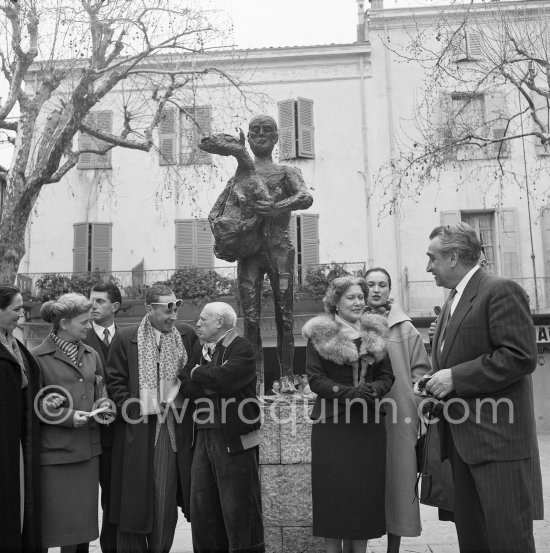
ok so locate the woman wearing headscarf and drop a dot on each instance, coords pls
(348, 367)
(19, 434)
(70, 435)
(409, 362)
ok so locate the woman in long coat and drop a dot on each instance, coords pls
(409, 362)
(348, 369)
(19, 434)
(70, 436)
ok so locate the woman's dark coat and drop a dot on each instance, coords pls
(19, 424)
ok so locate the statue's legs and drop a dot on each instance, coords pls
(281, 275)
(250, 276)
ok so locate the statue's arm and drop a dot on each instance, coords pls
(299, 197)
(218, 207)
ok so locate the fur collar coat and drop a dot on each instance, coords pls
(332, 344)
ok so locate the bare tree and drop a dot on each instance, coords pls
(61, 58)
(486, 87)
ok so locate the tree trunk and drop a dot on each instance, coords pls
(15, 214)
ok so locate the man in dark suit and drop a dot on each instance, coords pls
(152, 436)
(483, 353)
(226, 511)
(106, 300)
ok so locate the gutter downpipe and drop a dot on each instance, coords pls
(365, 172)
(391, 132)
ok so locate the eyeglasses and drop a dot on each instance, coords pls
(169, 305)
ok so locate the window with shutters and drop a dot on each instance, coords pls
(296, 129)
(465, 116)
(304, 235)
(180, 131)
(92, 247)
(194, 244)
(102, 121)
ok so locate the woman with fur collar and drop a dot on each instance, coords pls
(349, 370)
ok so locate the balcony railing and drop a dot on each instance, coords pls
(421, 296)
(133, 284)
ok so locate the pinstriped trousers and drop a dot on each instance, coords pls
(165, 508)
(492, 505)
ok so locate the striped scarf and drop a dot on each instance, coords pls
(70, 349)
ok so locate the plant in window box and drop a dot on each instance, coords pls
(319, 277)
(198, 285)
(82, 282)
(53, 285)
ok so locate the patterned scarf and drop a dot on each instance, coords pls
(70, 349)
(7, 339)
(383, 310)
(158, 367)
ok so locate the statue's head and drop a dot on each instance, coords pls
(262, 134)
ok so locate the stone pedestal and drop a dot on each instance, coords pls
(285, 472)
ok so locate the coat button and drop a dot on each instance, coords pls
(80, 364)
(83, 397)
(81, 380)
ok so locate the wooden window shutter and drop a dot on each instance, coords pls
(294, 236)
(86, 142)
(104, 123)
(184, 243)
(80, 247)
(445, 122)
(204, 244)
(509, 243)
(306, 146)
(101, 250)
(168, 138)
(474, 45)
(449, 217)
(203, 118)
(543, 113)
(545, 228)
(287, 129)
(310, 239)
(497, 119)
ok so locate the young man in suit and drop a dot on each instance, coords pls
(107, 300)
(483, 353)
(226, 511)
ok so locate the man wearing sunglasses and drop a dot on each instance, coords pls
(153, 430)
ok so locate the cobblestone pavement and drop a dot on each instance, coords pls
(437, 536)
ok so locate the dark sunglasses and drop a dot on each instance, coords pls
(169, 305)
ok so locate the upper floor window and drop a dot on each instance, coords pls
(296, 130)
(180, 131)
(468, 119)
(102, 121)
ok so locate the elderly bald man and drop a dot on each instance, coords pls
(225, 488)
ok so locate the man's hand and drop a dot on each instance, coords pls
(440, 384)
(266, 208)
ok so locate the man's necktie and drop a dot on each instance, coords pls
(106, 337)
(446, 318)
